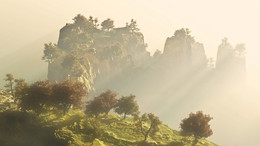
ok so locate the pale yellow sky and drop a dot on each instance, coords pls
(209, 20)
(25, 21)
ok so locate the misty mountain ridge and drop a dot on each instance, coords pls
(103, 56)
(117, 58)
(25, 62)
(180, 78)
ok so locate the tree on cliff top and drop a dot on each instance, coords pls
(107, 24)
(132, 26)
(240, 50)
(184, 35)
(196, 125)
(84, 23)
(127, 105)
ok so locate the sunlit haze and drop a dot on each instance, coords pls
(28, 24)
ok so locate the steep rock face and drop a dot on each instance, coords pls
(55, 71)
(225, 55)
(96, 56)
(66, 33)
(229, 57)
(181, 50)
(198, 55)
(117, 59)
(231, 62)
(58, 73)
(87, 77)
(75, 61)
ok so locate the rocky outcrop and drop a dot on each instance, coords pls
(181, 50)
(87, 76)
(231, 62)
(225, 55)
(95, 56)
(58, 73)
(117, 57)
(198, 55)
(231, 58)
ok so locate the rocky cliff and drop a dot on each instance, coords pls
(231, 62)
(96, 55)
(116, 58)
(182, 50)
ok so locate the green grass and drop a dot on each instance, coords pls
(77, 129)
(74, 127)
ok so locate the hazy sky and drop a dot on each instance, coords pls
(25, 21)
(210, 21)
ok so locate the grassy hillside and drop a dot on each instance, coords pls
(111, 130)
(77, 129)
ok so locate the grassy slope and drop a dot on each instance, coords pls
(115, 131)
(74, 126)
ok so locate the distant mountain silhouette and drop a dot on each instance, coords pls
(26, 62)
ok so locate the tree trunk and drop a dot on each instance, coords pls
(124, 116)
(66, 109)
(145, 137)
(195, 140)
(146, 134)
(142, 130)
(12, 91)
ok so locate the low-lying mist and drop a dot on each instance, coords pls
(171, 84)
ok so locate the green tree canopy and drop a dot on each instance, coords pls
(240, 50)
(132, 26)
(83, 23)
(107, 24)
(51, 52)
(127, 105)
(10, 81)
(20, 89)
(184, 34)
(153, 127)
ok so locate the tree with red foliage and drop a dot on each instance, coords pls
(67, 94)
(102, 103)
(196, 125)
(37, 96)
